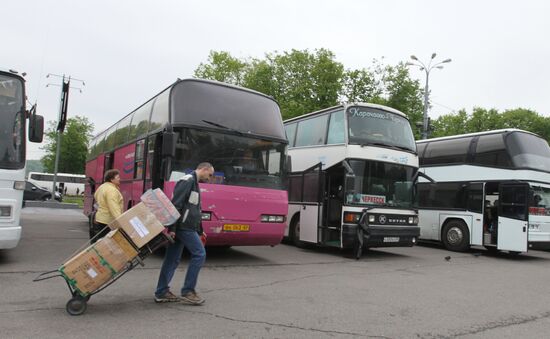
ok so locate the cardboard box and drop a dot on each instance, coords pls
(139, 224)
(116, 250)
(86, 271)
(159, 204)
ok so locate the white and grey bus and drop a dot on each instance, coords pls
(349, 160)
(13, 141)
(492, 189)
(67, 183)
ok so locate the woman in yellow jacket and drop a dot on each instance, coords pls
(109, 201)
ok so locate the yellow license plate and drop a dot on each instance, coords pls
(236, 228)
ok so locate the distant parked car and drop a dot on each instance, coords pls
(33, 192)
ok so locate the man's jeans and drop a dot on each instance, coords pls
(190, 240)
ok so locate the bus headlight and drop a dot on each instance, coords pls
(19, 185)
(371, 218)
(352, 217)
(206, 216)
(413, 220)
(272, 218)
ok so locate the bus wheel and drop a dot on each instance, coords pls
(456, 236)
(295, 233)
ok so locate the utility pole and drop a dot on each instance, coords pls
(63, 108)
(426, 68)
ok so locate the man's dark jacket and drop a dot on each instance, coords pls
(190, 213)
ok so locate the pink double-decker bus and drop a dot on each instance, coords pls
(238, 130)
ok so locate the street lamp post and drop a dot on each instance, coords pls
(427, 70)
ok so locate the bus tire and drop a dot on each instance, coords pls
(456, 236)
(295, 232)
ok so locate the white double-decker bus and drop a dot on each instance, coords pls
(348, 160)
(492, 189)
(13, 116)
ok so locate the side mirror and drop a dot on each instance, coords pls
(423, 175)
(166, 168)
(36, 126)
(169, 140)
(350, 181)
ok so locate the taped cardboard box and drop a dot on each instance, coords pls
(116, 250)
(87, 271)
(159, 204)
(139, 224)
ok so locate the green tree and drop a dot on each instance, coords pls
(489, 119)
(483, 120)
(303, 81)
(74, 145)
(523, 119)
(404, 94)
(221, 66)
(361, 85)
(300, 81)
(449, 124)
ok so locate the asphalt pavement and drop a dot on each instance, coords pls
(280, 292)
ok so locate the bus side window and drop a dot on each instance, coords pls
(138, 159)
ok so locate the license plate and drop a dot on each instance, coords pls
(391, 239)
(236, 228)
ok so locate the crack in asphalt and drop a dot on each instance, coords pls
(296, 327)
(270, 283)
(260, 322)
(476, 329)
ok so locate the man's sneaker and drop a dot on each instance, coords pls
(192, 298)
(166, 298)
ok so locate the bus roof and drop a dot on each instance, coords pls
(178, 81)
(206, 103)
(345, 106)
(458, 136)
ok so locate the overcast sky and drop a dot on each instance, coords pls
(127, 51)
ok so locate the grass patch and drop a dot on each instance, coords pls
(74, 199)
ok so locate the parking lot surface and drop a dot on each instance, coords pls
(280, 292)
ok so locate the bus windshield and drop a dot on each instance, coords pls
(380, 184)
(529, 151)
(12, 124)
(237, 160)
(371, 126)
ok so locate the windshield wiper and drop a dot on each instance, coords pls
(401, 148)
(224, 127)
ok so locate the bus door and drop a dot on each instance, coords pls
(332, 206)
(513, 217)
(475, 204)
(153, 159)
(312, 188)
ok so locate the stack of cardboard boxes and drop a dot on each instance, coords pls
(91, 268)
